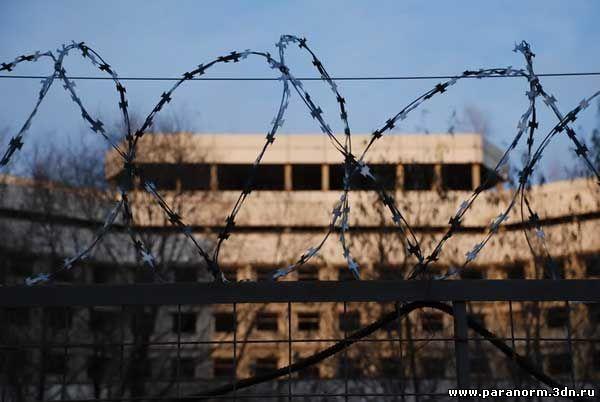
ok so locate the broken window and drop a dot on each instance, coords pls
(308, 321)
(418, 177)
(306, 177)
(163, 175)
(457, 177)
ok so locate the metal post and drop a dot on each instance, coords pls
(461, 347)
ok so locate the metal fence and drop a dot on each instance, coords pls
(339, 341)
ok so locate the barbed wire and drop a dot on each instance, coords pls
(353, 164)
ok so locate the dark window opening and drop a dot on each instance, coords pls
(593, 313)
(479, 318)
(308, 273)
(349, 367)
(390, 367)
(97, 367)
(184, 322)
(488, 177)
(472, 273)
(144, 322)
(557, 317)
(193, 176)
(58, 318)
(554, 267)
(55, 362)
(559, 363)
(515, 271)
(18, 316)
(418, 177)
(385, 174)
(350, 321)
(264, 365)
(235, 177)
(457, 177)
(103, 273)
(306, 177)
(308, 321)
(224, 322)
(186, 274)
(230, 273)
(344, 274)
(389, 272)
(592, 265)
(185, 369)
(163, 175)
(103, 321)
(432, 322)
(223, 367)
(310, 372)
(264, 273)
(267, 321)
(433, 367)
(21, 266)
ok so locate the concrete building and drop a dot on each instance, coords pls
(299, 181)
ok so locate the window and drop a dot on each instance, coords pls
(593, 313)
(557, 317)
(103, 321)
(234, 177)
(418, 177)
(349, 367)
(555, 266)
(184, 322)
(306, 177)
(97, 367)
(385, 174)
(264, 273)
(308, 273)
(185, 369)
(18, 316)
(193, 176)
(432, 322)
(457, 177)
(230, 273)
(350, 321)
(559, 363)
(58, 318)
(515, 271)
(592, 266)
(264, 365)
(389, 272)
(55, 362)
(478, 318)
(308, 321)
(472, 273)
(344, 274)
(144, 322)
(390, 367)
(266, 321)
(310, 372)
(186, 274)
(163, 175)
(224, 322)
(103, 274)
(433, 367)
(223, 367)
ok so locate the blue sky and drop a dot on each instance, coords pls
(151, 38)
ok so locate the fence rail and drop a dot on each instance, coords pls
(300, 292)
